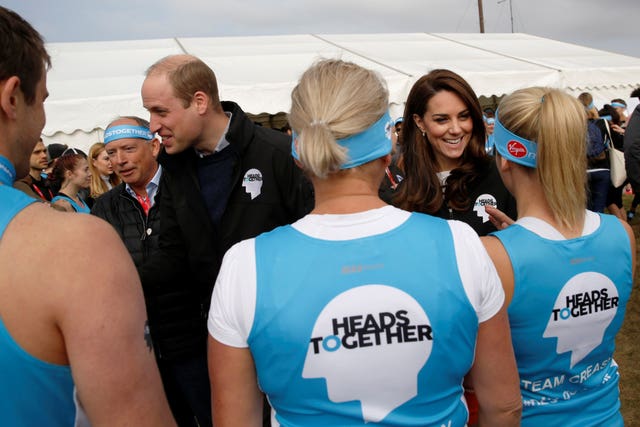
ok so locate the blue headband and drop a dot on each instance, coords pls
(127, 131)
(618, 104)
(514, 148)
(365, 146)
(398, 120)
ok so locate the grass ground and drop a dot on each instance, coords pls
(628, 344)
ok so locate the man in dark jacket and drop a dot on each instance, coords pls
(224, 180)
(132, 208)
(34, 184)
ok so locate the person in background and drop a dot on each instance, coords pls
(286, 129)
(620, 105)
(338, 326)
(489, 118)
(133, 209)
(448, 172)
(62, 328)
(614, 137)
(597, 160)
(103, 178)
(397, 125)
(393, 174)
(54, 150)
(70, 174)
(632, 154)
(224, 179)
(567, 271)
(34, 184)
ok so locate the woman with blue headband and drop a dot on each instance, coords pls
(567, 271)
(344, 318)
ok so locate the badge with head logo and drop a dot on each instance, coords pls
(252, 182)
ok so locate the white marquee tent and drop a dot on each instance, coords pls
(93, 82)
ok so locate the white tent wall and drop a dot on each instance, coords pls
(91, 83)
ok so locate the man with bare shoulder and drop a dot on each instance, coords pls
(64, 332)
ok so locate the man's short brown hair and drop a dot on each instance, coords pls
(22, 53)
(187, 75)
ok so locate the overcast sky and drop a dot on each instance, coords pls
(607, 25)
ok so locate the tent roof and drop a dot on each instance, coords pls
(93, 82)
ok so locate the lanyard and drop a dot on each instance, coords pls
(7, 171)
(145, 202)
(394, 184)
(37, 190)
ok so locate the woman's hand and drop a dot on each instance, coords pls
(498, 218)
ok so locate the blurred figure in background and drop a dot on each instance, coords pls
(632, 154)
(620, 105)
(597, 160)
(393, 173)
(34, 184)
(614, 137)
(70, 174)
(103, 178)
(489, 118)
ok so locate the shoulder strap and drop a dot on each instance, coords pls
(607, 139)
(12, 201)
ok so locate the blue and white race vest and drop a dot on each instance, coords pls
(352, 333)
(568, 304)
(33, 393)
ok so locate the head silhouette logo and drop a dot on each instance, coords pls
(252, 182)
(482, 201)
(370, 343)
(583, 310)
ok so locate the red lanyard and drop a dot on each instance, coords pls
(145, 202)
(37, 190)
(394, 184)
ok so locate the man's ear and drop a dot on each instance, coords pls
(10, 94)
(201, 101)
(155, 147)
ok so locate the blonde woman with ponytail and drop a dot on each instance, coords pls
(345, 316)
(567, 271)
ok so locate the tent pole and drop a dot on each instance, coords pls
(481, 16)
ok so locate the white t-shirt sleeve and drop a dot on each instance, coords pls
(234, 296)
(479, 276)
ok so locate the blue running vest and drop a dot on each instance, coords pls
(356, 332)
(568, 304)
(76, 207)
(33, 393)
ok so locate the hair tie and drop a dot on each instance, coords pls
(315, 122)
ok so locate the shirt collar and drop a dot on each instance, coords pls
(223, 143)
(152, 186)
